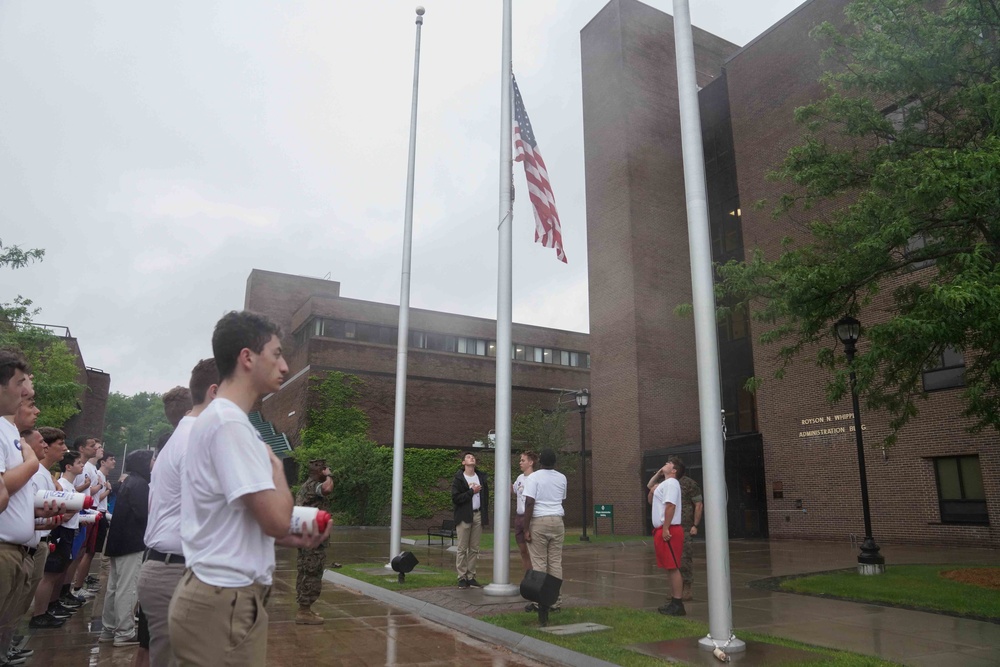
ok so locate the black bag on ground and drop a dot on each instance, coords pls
(540, 587)
(404, 562)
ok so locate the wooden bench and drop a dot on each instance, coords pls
(447, 529)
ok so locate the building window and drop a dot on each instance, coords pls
(945, 371)
(960, 490)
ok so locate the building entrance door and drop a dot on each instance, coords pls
(747, 501)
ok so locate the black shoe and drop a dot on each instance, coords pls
(92, 580)
(672, 608)
(59, 613)
(474, 584)
(463, 583)
(69, 598)
(45, 620)
(62, 609)
(22, 652)
(69, 604)
(531, 607)
(10, 661)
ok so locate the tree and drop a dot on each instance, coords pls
(903, 154)
(53, 364)
(136, 421)
(539, 429)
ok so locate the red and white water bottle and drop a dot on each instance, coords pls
(308, 521)
(74, 501)
(89, 517)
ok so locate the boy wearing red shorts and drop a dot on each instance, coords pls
(668, 536)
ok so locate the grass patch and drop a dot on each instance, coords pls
(424, 576)
(633, 626)
(572, 539)
(916, 586)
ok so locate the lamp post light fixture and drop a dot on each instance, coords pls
(582, 400)
(848, 330)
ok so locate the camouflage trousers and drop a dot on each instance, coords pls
(309, 581)
(687, 557)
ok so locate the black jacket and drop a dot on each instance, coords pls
(128, 527)
(461, 498)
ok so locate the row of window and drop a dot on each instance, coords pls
(427, 340)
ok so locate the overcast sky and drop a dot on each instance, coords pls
(160, 151)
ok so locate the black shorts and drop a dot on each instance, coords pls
(102, 534)
(62, 555)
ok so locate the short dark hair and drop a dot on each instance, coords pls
(204, 374)
(464, 454)
(678, 466)
(177, 403)
(236, 331)
(81, 441)
(68, 459)
(50, 434)
(532, 456)
(547, 458)
(107, 456)
(10, 361)
(26, 432)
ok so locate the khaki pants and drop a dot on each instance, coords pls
(157, 583)
(16, 567)
(545, 548)
(467, 557)
(211, 626)
(118, 617)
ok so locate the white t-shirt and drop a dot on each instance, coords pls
(669, 491)
(519, 490)
(548, 488)
(41, 481)
(90, 473)
(476, 502)
(66, 485)
(163, 530)
(102, 504)
(20, 512)
(226, 460)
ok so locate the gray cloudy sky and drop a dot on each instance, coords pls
(160, 151)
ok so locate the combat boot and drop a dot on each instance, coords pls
(306, 616)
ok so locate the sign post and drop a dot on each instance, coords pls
(604, 512)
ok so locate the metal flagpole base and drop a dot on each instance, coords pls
(501, 590)
(733, 645)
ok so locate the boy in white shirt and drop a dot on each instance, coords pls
(235, 506)
(668, 535)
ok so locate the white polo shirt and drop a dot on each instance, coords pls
(163, 530)
(226, 459)
(548, 488)
(66, 485)
(669, 491)
(17, 522)
(90, 473)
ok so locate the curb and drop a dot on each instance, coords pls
(529, 647)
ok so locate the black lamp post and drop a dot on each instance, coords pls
(582, 400)
(848, 330)
(149, 438)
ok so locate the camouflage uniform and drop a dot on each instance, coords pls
(309, 582)
(690, 494)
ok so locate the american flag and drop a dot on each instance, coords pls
(548, 231)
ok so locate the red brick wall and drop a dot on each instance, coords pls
(643, 366)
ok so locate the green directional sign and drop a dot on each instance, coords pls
(604, 512)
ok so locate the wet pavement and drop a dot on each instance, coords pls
(362, 631)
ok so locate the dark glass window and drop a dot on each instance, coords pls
(961, 494)
(519, 351)
(946, 371)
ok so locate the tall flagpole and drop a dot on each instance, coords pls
(402, 342)
(720, 615)
(501, 515)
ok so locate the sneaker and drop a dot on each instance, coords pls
(61, 610)
(474, 584)
(672, 608)
(84, 593)
(45, 621)
(13, 660)
(531, 607)
(106, 637)
(308, 617)
(92, 580)
(131, 640)
(69, 597)
(23, 652)
(463, 583)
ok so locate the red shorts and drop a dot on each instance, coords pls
(668, 554)
(91, 543)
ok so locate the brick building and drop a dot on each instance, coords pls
(451, 365)
(787, 476)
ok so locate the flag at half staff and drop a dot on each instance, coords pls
(548, 231)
